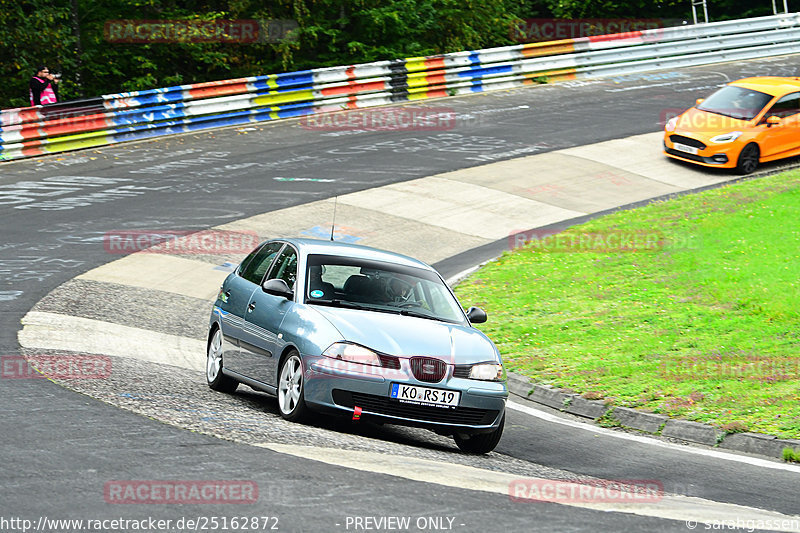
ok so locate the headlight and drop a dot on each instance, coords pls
(488, 372)
(671, 123)
(726, 137)
(353, 353)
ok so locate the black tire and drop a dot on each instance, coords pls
(482, 442)
(291, 391)
(748, 159)
(214, 376)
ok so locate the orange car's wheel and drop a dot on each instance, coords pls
(748, 159)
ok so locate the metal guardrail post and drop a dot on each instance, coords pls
(775, 7)
(696, 3)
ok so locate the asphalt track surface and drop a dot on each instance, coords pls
(60, 447)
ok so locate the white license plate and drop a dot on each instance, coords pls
(424, 395)
(683, 148)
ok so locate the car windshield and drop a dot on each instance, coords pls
(379, 286)
(735, 102)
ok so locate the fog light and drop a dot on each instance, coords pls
(720, 158)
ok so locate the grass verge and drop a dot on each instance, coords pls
(696, 317)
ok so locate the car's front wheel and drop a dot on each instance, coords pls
(290, 388)
(748, 159)
(216, 379)
(482, 442)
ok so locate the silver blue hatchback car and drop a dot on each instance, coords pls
(341, 328)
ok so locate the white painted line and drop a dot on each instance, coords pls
(52, 331)
(754, 461)
(670, 507)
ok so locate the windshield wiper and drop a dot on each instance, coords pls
(391, 310)
(339, 303)
(729, 115)
(417, 314)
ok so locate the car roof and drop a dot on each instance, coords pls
(772, 85)
(324, 247)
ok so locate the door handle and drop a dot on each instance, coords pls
(251, 306)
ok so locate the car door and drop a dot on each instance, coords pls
(236, 294)
(785, 137)
(263, 318)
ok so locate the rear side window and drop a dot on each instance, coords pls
(285, 267)
(785, 107)
(256, 266)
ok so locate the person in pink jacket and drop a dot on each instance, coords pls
(43, 87)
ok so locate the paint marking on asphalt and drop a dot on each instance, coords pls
(754, 461)
(666, 506)
(53, 331)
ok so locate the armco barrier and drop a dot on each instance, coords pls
(114, 118)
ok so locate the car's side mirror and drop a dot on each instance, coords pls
(277, 287)
(774, 121)
(476, 315)
(699, 101)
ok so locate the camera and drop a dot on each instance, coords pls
(56, 75)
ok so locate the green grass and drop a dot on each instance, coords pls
(790, 455)
(705, 327)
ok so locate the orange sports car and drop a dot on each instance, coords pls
(744, 123)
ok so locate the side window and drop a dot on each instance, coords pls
(785, 107)
(255, 269)
(285, 267)
(246, 260)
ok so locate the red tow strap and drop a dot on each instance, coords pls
(356, 413)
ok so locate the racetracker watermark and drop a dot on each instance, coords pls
(534, 30)
(55, 367)
(181, 31)
(388, 367)
(604, 242)
(383, 119)
(200, 31)
(719, 121)
(733, 364)
(181, 492)
(597, 491)
(149, 523)
(177, 242)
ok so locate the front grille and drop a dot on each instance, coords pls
(381, 405)
(428, 369)
(684, 155)
(688, 141)
(389, 361)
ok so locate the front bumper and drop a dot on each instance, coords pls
(337, 386)
(714, 155)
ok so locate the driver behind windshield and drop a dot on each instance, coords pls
(397, 290)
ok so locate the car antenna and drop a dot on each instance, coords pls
(333, 222)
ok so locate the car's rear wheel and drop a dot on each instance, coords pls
(290, 388)
(481, 442)
(216, 379)
(748, 159)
